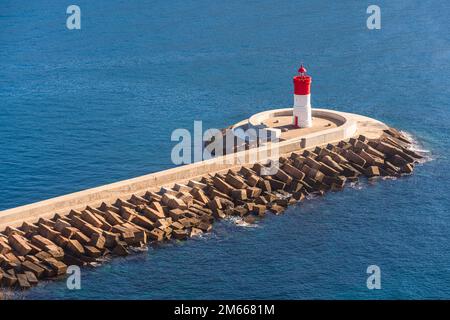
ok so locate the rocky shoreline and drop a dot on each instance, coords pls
(44, 249)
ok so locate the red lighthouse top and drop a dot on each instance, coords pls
(302, 70)
(302, 82)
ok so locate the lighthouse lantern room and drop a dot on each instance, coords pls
(302, 99)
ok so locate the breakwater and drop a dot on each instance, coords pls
(44, 248)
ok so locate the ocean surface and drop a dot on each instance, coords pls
(82, 108)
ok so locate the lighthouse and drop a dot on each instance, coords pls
(302, 100)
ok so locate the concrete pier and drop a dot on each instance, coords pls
(40, 240)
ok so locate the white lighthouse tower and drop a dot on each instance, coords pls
(302, 100)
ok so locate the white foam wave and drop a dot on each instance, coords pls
(418, 147)
(238, 221)
(139, 249)
(356, 185)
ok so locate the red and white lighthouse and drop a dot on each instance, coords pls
(302, 99)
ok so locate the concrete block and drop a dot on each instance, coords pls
(186, 222)
(261, 200)
(4, 246)
(120, 203)
(195, 232)
(259, 209)
(20, 244)
(40, 257)
(196, 184)
(46, 222)
(372, 171)
(276, 184)
(61, 241)
(298, 196)
(331, 163)
(200, 195)
(163, 223)
(315, 174)
(201, 208)
(57, 266)
(187, 198)
(47, 232)
(312, 163)
(156, 234)
(8, 280)
(91, 218)
(398, 161)
(20, 280)
(270, 197)
(235, 181)
(173, 202)
(276, 209)
(350, 171)
(127, 214)
(121, 249)
(167, 190)
(74, 213)
(354, 158)
(215, 204)
(56, 252)
(338, 181)
(179, 234)
(283, 176)
(106, 207)
(293, 171)
(29, 228)
(253, 192)
(371, 159)
(69, 232)
(407, 168)
(31, 277)
(222, 186)
(152, 196)
(204, 226)
(143, 222)
(126, 234)
(176, 226)
(92, 251)
(153, 214)
(41, 242)
(61, 224)
(328, 170)
(81, 237)
(240, 211)
(98, 241)
(113, 218)
(111, 239)
(156, 206)
(138, 200)
(239, 194)
(75, 247)
(176, 214)
(215, 193)
(252, 180)
(37, 270)
(11, 230)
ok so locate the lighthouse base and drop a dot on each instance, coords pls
(301, 117)
(304, 124)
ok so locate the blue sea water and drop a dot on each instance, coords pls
(87, 107)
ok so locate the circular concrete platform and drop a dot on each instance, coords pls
(328, 126)
(289, 131)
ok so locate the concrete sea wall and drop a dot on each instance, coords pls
(41, 240)
(153, 181)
